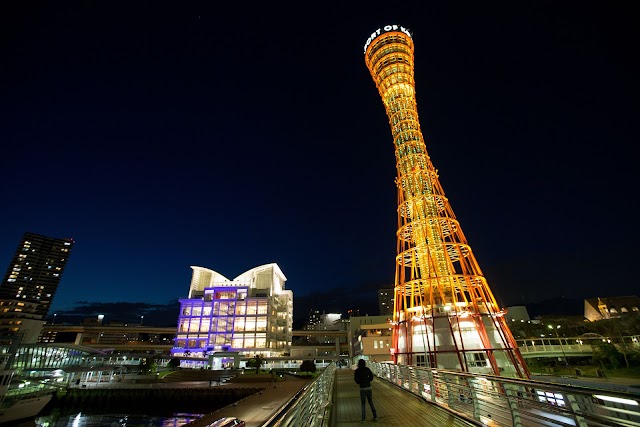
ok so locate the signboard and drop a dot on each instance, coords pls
(385, 29)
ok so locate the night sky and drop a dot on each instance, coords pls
(161, 135)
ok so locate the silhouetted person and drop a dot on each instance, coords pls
(363, 377)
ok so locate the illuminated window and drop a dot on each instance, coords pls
(241, 308)
(184, 325)
(226, 294)
(194, 325)
(262, 307)
(261, 324)
(251, 308)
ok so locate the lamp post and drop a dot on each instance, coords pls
(141, 319)
(566, 362)
(54, 318)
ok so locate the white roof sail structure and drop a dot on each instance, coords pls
(267, 276)
(204, 278)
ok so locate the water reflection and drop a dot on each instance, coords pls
(115, 420)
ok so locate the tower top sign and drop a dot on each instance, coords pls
(385, 29)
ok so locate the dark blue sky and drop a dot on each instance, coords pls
(163, 135)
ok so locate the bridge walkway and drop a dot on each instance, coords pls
(395, 406)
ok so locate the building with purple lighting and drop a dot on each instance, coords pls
(251, 314)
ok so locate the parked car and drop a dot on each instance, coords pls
(227, 422)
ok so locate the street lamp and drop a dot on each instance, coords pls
(141, 319)
(54, 318)
(566, 362)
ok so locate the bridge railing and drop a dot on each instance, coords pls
(501, 401)
(310, 406)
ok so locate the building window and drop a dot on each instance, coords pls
(477, 359)
(241, 308)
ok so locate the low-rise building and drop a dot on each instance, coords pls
(605, 308)
(371, 337)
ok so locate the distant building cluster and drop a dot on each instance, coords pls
(249, 315)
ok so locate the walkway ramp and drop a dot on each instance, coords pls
(395, 407)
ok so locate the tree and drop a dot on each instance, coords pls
(256, 362)
(607, 354)
(308, 366)
(173, 363)
(617, 328)
(147, 366)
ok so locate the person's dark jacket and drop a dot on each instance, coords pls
(363, 376)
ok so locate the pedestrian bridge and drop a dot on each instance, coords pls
(554, 347)
(415, 396)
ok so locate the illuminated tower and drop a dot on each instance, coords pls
(445, 315)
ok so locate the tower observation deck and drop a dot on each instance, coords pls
(445, 316)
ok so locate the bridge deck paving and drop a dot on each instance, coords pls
(395, 406)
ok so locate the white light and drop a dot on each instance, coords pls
(616, 399)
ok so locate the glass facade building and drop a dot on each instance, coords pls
(251, 314)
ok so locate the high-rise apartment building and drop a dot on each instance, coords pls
(251, 314)
(19, 319)
(35, 271)
(314, 318)
(385, 301)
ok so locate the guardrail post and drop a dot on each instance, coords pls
(575, 408)
(513, 398)
(474, 398)
(432, 385)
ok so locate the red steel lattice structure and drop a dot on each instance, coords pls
(445, 315)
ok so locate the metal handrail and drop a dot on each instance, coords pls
(502, 401)
(310, 406)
